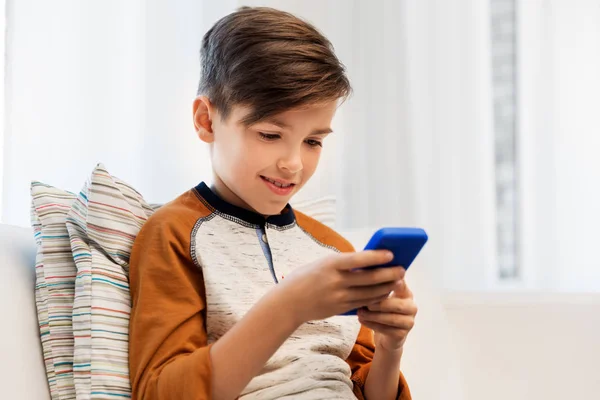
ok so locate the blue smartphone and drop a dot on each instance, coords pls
(404, 243)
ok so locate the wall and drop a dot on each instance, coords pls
(525, 347)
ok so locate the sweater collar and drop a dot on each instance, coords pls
(287, 217)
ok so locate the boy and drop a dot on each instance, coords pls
(236, 295)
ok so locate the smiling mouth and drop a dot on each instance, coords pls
(279, 188)
(278, 184)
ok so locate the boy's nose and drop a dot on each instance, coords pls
(291, 163)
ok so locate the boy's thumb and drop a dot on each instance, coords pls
(401, 290)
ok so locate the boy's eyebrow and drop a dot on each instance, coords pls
(283, 125)
(322, 131)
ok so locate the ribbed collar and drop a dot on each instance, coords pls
(287, 217)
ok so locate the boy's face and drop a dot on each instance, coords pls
(262, 166)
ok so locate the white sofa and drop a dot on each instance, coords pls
(22, 373)
(463, 347)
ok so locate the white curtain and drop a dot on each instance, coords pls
(108, 82)
(560, 142)
(114, 81)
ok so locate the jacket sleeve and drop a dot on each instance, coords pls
(168, 351)
(360, 361)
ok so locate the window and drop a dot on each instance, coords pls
(2, 95)
(546, 90)
(504, 82)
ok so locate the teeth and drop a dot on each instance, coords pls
(278, 184)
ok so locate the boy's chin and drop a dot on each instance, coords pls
(271, 209)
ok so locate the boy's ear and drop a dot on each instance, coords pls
(203, 114)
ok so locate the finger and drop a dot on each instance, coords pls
(383, 329)
(398, 321)
(402, 291)
(395, 305)
(379, 299)
(356, 304)
(367, 277)
(370, 294)
(363, 259)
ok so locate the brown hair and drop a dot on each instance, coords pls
(269, 60)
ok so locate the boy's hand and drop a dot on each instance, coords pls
(391, 319)
(330, 286)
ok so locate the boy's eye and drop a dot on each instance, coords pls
(269, 136)
(314, 143)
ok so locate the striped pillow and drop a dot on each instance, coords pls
(82, 302)
(55, 284)
(102, 226)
